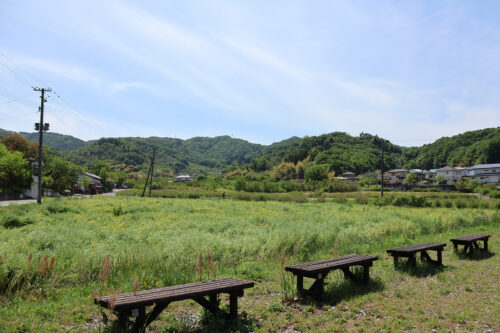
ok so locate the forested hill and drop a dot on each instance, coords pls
(199, 154)
(338, 151)
(469, 148)
(53, 140)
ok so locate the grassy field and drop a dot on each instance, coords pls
(156, 242)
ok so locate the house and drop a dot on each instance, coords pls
(420, 174)
(395, 176)
(348, 175)
(94, 187)
(485, 173)
(451, 174)
(183, 178)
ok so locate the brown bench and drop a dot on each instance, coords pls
(411, 251)
(318, 270)
(134, 304)
(470, 243)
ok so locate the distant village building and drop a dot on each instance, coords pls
(395, 176)
(451, 174)
(94, 187)
(420, 174)
(485, 173)
(348, 175)
(183, 178)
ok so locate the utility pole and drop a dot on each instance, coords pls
(382, 171)
(41, 127)
(150, 174)
(152, 168)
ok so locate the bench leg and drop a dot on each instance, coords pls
(317, 288)
(396, 263)
(122, 321)
(440, 257)
(471, 250)
(155, 313)
(300, 284)
(140, 321)
(412, 259)
(366, 273)
(455, 246)
(485, 248)
(233, 306)
(348, 274)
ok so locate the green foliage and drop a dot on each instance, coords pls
(410, 178)
(316, 173)
(474, 147)
(15, 174)
(59, 174)
(53, 140)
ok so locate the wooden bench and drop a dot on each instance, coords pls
(470, 243)
(410, 252)
(134, 304)
(318, 270)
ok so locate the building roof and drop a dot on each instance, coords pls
(485, 166)
(91, 175)
(446, 168)
(398, 170)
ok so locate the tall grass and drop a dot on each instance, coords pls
(158, 240)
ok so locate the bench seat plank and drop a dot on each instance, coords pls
(470, 242)
(417, 248)
(330, 264)
(318, 270)
(173, 293)
(470, 238)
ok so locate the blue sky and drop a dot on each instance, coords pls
(410, 71)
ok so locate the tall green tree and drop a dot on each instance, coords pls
(15, 174)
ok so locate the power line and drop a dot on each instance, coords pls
(19, 116)
(16, 76)
(20, 68)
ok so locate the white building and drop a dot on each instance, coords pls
(395, 176)
(451, 174)
(485, 173)
(183, 178)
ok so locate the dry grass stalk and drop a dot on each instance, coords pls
(112, 299)
(136, 286)
(199, 265)
(336, 247)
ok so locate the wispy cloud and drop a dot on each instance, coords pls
(269, 70)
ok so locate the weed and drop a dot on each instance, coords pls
(118, 211)
(15, 222)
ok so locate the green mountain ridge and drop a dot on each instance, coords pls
(53, 140)
(338, 151)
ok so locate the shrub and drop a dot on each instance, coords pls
(410, 201)
(474, 204)
(362, 198)
(495, 194)
(437, 203)
(448, 204)
(15, 222)
(461, 204)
